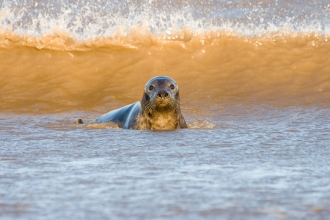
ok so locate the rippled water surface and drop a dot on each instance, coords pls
(259, 163)
(254, 79)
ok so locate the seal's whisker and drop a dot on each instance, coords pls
(149, 107)
(175, 105)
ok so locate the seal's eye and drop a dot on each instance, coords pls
(172, 86)
(151, 87)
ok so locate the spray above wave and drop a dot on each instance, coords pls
(83, 19)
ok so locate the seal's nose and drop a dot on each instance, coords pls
(162, 94)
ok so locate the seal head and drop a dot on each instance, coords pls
(160, 105)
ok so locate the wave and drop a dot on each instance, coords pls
(67, 55)
(59, 73)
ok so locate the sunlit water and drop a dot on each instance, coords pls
(254, 79)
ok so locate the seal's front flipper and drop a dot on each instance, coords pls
(182, 122)
(125, 117)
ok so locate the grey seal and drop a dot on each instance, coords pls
(159, 108)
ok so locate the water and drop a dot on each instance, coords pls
(254, 85)
(248, 167)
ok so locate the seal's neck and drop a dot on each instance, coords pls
(158, 120)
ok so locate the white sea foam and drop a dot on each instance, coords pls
(84, 19)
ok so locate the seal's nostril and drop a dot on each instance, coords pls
(162, 94)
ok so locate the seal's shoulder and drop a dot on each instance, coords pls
(125, 117)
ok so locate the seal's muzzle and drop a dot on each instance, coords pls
(162, 94)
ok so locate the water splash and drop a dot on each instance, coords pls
(201, 124)
(84, 19)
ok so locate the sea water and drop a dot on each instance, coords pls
(254, 82)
